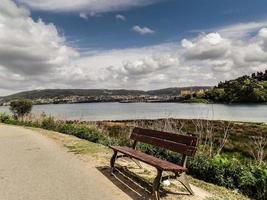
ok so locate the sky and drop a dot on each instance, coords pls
(141, 44)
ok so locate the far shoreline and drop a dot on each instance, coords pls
(150, 102)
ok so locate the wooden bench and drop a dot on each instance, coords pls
(186, 145)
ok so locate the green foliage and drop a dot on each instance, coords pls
(244, 89)
(217, 94)
(48, 123)
(4, 118)
(250, 180)
(263, 84)
(20, 107)
(260, 76)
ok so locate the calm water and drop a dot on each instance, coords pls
(122, 111)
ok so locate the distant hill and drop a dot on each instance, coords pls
(61, 93)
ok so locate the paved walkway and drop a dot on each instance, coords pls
(33, 167)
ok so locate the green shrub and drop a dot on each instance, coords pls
(20, 107)
(250, 180)
(253, 182)
(4, 118)
(49, 123)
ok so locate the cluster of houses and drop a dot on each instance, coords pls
(192, 93)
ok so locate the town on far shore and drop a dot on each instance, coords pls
(175, 95)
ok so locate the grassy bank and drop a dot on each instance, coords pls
(247, 176)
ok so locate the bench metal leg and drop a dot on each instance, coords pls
(156, 185)
(182, 179)
(132, 159)
(112, 160)
(137, 163)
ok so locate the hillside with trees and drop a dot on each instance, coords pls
(98, 95)
(245, 89)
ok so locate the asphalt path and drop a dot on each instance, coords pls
(34, 167)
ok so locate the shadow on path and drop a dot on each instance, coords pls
(133, 185)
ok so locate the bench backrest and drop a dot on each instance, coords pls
(183, 144)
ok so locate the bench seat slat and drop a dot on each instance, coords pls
(151, 160)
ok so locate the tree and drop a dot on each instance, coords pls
(20, 108)
(245, 89)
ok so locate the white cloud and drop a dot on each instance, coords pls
(127, 68)
(236, 31)
(226, 54)
(143, 30)
(86, 15)
(83, 15)
(120, 17)
(241, 30)
(206, 46)
(34, 48)
(29, 49)
(148, 65)
(263, 36)
(98, 6)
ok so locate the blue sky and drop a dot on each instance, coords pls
(170, 19)
(141, 44)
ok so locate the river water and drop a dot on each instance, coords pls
(123, 111)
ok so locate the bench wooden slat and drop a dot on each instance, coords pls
(151, 160)
(166, 144)
(184, 139)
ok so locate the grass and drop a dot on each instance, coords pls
(74, 144)
(84, 148)
(99, 155)
(220, 193)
